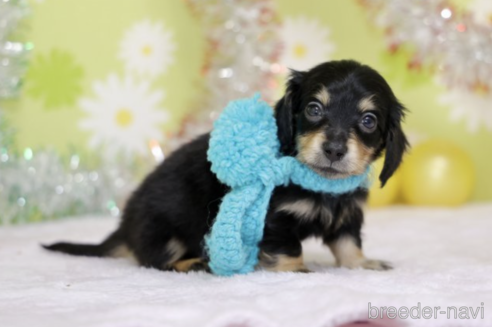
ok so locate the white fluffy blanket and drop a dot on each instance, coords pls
(442, 258)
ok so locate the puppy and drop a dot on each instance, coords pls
(336, 118)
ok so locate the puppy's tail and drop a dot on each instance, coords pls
(106, 248)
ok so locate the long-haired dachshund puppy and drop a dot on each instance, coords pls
(337, 118)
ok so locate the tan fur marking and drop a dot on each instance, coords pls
(185, 266)
(307, 210)
(358, 155)
(326, 216)
(323, 96)
(278, 263)
(121, 251)
(346, 212)
(304, 208)
(343, 216)
(361, 203)
(367, 104)
(175, 249)
(309, 145)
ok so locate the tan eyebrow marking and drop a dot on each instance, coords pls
(367, 104)
(323, 95)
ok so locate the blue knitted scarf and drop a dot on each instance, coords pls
(244, 152)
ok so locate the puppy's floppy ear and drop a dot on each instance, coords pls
(396, 142)
(284, 113)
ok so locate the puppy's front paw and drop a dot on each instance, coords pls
(303, 270)
(364, 263)
(375, 265)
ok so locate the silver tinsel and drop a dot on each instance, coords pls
(13, 54)
(244, 48)
(40, 184)
(241, 58)
(440, 37)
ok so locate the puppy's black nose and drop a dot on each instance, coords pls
(334, 151)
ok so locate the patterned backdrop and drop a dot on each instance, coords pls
(107, 76)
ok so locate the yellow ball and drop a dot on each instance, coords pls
(437, 173)
(389, 194)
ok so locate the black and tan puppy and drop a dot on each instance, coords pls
(337, 118)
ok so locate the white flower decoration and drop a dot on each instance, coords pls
(147, 49)
(482, 11)
(305, 42)
(124, 117)
(475, 107)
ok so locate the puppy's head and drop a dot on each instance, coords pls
(338, 118)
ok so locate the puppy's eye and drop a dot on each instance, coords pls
(314, 111)
(368, 122)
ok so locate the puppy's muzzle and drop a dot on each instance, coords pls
(335, 150)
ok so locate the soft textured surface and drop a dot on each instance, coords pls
(442, 257)
(244, 152)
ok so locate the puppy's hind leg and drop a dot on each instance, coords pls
(194, 264)
(175, 257)
(161, 254)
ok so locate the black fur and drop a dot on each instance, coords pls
(178, 202)
(396, 143)
(284, 113)
(103, 249)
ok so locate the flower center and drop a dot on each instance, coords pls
(300, 50)
(124, 117)
(147, 50)
(481, 89)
